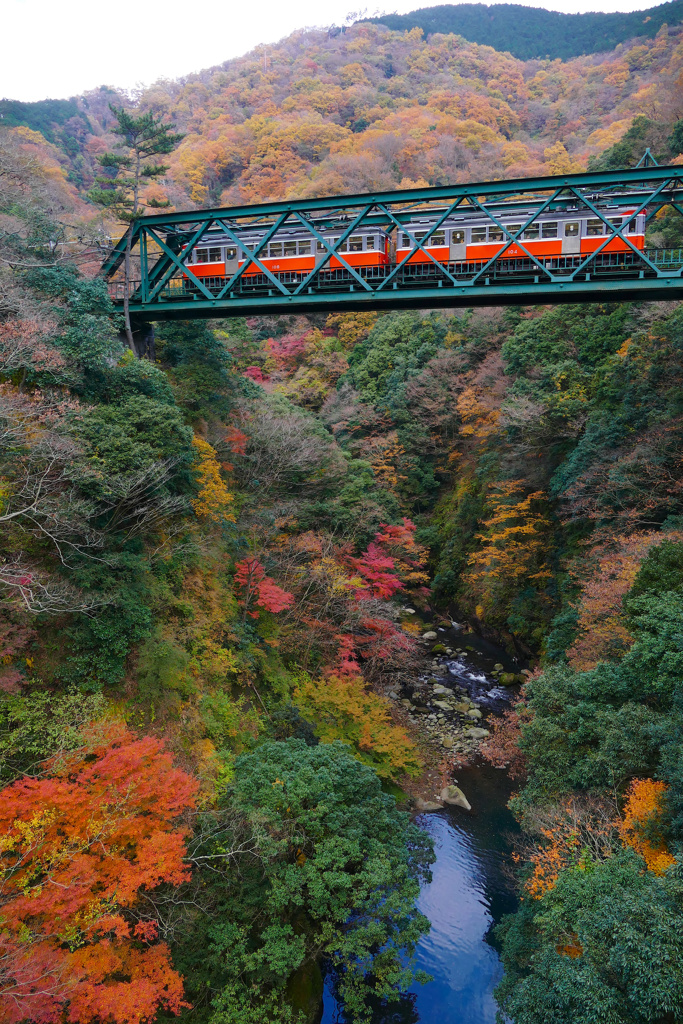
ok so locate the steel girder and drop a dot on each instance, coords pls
(165, 287)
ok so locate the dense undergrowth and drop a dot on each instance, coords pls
(206, 563)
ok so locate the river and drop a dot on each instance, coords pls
(471, 886)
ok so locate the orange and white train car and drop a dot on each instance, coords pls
(474, 238)
(294, 251)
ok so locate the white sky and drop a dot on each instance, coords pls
(59, 48)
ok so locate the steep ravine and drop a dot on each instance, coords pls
(472, 885)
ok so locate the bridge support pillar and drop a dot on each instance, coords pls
(143, 337)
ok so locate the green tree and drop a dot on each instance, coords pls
(332, 873)
(127, 170)
(603, 946)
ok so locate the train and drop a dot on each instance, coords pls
(462, 238)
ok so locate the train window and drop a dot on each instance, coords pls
(549, 229)
(531, 232)
(616, 221)
(340, 246)
(495, 234)
(512, 229)
(457, 237)
(595, 227)
(201, 255)
(304, 248)
(356, 243)
(290, 248)
(437, 238)
(631, 229)
(571, 229)
(215, 255)
(231, 252)
(478, 234)
(275, 249)
(320, 247)
(370, 242)
(406, 243)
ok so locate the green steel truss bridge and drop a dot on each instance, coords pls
(162, 285)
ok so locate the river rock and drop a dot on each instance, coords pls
(474, 713)
(431, 635)
(462, 708)
(427, 805)
(507, 678)
(438, 649)
(447, 742)
(476, 733)
(454, 796)
(498, 667)
(409, 611)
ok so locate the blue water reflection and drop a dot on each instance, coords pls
(471, 889)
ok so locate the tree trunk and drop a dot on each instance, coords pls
(126, 294)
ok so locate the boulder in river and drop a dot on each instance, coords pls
(430, 636)
(474, 713)
(427, 805)
(507, 678)
(439, 649)
(477, 734)
(498, 667)
(454, 796)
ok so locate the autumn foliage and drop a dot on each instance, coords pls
(256, 588)
(343, 708)
(642, 808)
(82, 850)
(213, 499)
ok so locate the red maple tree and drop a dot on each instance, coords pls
(258, 588)
(78, 848)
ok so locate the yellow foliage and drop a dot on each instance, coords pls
(559, 160)
(214, 499)
(343, 709)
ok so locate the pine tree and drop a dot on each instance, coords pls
(126, 171)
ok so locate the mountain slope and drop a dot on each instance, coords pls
(528, 32)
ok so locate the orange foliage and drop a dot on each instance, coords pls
(513, 548)
(643, 804)
(602, 631)
(77, 848)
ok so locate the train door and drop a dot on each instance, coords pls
(458, 247)
(231, 260)
(571, 237)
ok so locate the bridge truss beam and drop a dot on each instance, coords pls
(165, 286)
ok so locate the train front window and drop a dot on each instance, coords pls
(356, 243)
(531, 233)
(571, 229)
(201, 255)
(230, 253)
(631, 229)
(457, 237)
(478, 234)
(320, 247)
(304, 248)
(595, 227)
(549, 229)
(290, 248)
(370, 242)
(275, 249)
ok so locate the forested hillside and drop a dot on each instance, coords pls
(216, 567)
(529, 32)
